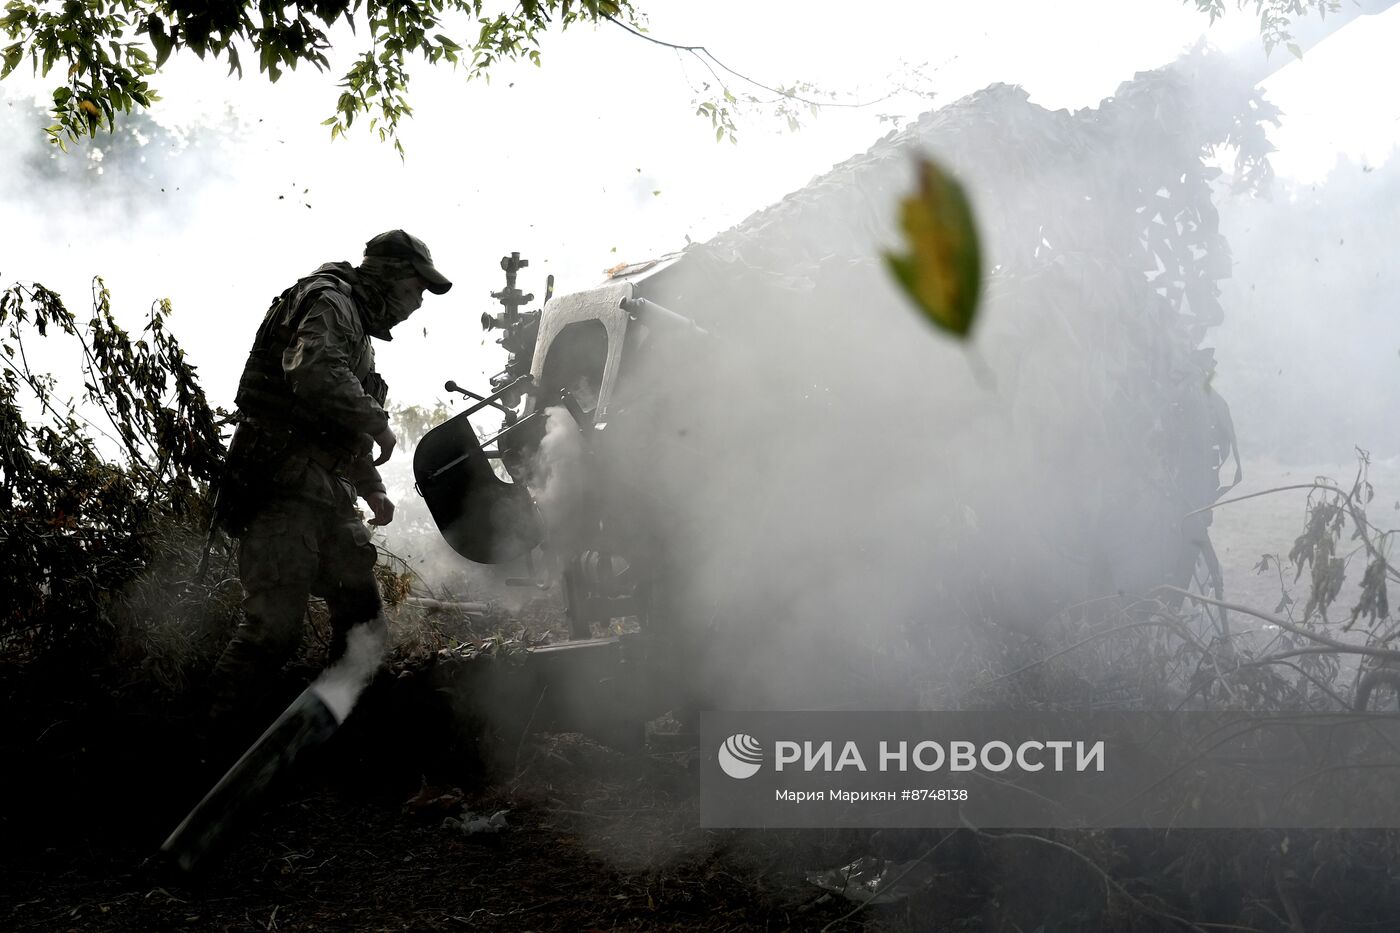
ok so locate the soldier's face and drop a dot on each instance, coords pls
(406, 296)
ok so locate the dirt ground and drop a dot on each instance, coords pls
(593, 840)
(326, 859)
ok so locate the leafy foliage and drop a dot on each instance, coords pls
(81, 513)
(1316, 548)
(108, 50)
(1275, 16)
(1320, 548)
(411, 422)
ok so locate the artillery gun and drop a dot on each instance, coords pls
(564, 371)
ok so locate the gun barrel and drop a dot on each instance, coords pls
(306, 723)
(654, 315)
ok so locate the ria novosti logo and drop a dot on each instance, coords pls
(740, 756)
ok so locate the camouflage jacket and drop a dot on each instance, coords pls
(309, 392)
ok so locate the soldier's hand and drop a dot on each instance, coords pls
(385, 441)
(383, 508)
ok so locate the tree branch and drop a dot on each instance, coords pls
(1333, 643)
(702, 53)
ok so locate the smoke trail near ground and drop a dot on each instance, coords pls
(340, 685)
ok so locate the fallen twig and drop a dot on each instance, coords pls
(526, 731)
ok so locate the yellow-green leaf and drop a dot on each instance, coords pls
(942, 270)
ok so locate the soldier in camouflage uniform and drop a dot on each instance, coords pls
(311, 411)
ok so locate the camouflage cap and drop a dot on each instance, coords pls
(399, 245)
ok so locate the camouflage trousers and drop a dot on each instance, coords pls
(294, 547)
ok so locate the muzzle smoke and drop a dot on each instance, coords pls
(558, 480)
(340, 685)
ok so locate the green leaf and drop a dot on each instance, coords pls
(1297, 52)
(163, 46)
(942, 271)
(13, 54)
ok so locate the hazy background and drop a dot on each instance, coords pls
(233, 189)
(594, 159)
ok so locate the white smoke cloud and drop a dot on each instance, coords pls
(558, 480)
(340, 685)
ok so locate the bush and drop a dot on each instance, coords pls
(102, 498)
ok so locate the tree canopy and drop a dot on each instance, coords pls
(108, 51)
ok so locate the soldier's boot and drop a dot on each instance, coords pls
(351, 606)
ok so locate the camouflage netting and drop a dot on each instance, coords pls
(1051, 462)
